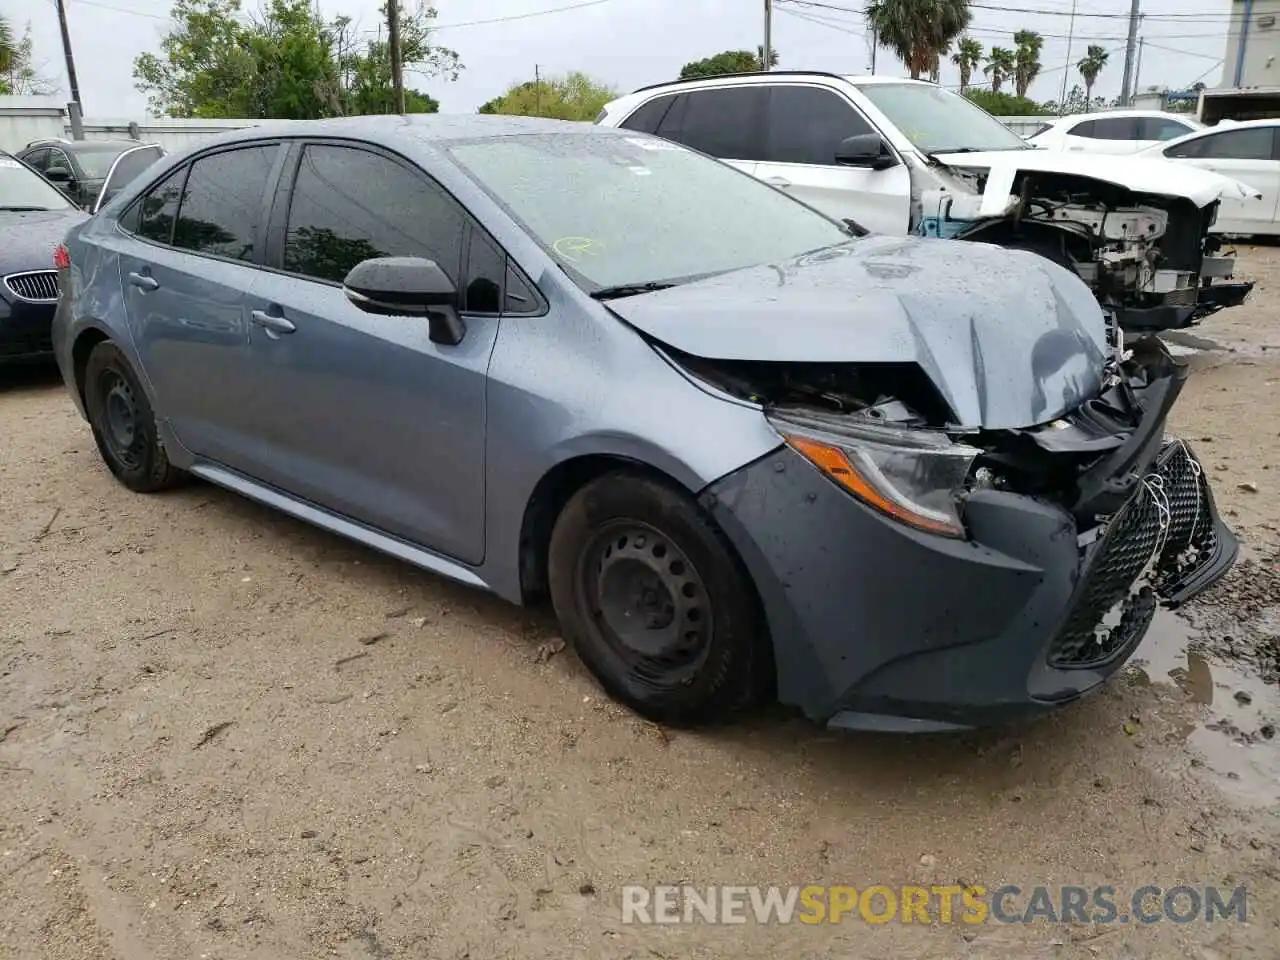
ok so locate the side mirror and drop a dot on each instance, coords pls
(865, 150)
(58, 175)
(407, 286)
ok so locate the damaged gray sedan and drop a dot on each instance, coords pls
(898, 483)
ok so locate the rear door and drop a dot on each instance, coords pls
(725, 122)
(1248, 155)
(1111, 135)
(361, 413)
(197, 239)
(804, 124)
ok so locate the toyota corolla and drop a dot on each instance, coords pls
(898, 483)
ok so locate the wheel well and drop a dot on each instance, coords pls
(549, 497)
(80, 351)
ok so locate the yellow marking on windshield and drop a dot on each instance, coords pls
(574, 249)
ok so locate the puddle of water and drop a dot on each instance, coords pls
(1238, 711)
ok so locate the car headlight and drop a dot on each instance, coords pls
(913, 475)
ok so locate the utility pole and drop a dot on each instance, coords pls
(875, 42)
(397, 64)
(767, 50)
(1137, 67)
(1066, 71)
(537, 91)
(76, 111)
(1126, 82)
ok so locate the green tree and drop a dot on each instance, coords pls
(730, 61)
(572, 97)
(918, 31)
(1001, 64)
(968, 57)
(285, 62)
(1006, 104)
(18, 74)
(1026, 60)
(1095, 58)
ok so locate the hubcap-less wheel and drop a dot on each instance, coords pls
(647, 601)
(123, 431)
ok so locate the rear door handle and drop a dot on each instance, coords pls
(272, 323)
(782, 182)
(144, 281)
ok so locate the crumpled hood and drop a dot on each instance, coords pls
(1142, 174)
(1008, 338)
(28, 237)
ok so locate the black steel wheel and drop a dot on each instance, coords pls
(656, 603)
(124, 424)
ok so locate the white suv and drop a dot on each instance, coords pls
(905, 156)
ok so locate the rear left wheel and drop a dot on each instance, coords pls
(123, 423)
(656, 603)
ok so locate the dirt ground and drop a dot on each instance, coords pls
(224, 734)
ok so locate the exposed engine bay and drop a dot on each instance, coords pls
(1149, 259)
(1143, 514)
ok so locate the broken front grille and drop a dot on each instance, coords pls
(1169, 514)
(38, 285)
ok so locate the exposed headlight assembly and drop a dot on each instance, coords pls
(914, 476)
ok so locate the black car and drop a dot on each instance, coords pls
(34, 217)
(80, 167)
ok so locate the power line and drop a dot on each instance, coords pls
(521, 16)
(1197, 17)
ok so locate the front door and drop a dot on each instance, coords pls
(185, 270)
(360, 413)
(1246, 154)
(804, 125)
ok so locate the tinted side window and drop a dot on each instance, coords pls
(351, 205)
(58, 161)
(38, 159)
(1254, 144)
(725, 123)
(1115, 128)
(648, 116)
(486, 272)
(1081, 130)
(222, 204)
(806, 124)
(159, 208)
(1160, 128)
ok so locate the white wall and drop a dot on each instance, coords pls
(23, 119)
(1261, 44)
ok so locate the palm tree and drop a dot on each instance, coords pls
(968, 57)
(1095, 58)
(918, 31)
(1001, 64)
(1028, 45)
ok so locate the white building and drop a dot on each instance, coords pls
(1253, 44)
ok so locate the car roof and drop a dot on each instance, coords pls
(422, 127)
(759, 76)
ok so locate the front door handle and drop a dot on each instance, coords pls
(144, 281)
(782, 182)
(272, 323)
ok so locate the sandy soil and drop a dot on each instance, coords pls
(224, 734)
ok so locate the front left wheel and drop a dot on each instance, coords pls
(123, 423)
(656, 603)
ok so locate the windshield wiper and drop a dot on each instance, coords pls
(630, 289)
(23, 209)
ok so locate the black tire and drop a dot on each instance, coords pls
(123, 423)
(656, 603)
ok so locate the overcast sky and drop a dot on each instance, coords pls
(629, 43)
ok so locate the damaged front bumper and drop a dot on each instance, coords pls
(1177, 316)
(878, 625)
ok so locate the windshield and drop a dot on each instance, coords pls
(939, 121)
(96, 161)
(23, 188)
(618, 210)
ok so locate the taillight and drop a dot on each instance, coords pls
(61, 257)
